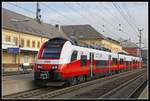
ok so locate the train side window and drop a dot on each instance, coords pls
(74, 55)
(133, 61)
(114, 60)
(130, 62)
(121, 61)
(101, 63)
(83, 60)
(127, 63)
(109, 57)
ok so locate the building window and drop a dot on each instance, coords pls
(33, 44)
(38, 44)
(8, 38)
(83, 60)
(28, 43)
(14, 58)
(26, 59)
(101, 63)
(74, 55)
(15, 40)
(22, 42)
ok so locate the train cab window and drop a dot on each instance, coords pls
(121, 61)
(74, 55)
(83, 60)
(127, 63)
(114, 60)
(52, 49)
(101, 63)
(51, 53)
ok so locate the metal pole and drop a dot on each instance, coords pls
(37, 6)
(19, 50)
(38, 16)
(140, 46)
(18, 46)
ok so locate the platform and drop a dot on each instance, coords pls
(144, 94)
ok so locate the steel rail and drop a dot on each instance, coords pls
(76, 87)
(108, 94)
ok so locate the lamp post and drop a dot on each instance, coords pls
(19, 21)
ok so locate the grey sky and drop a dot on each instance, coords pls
(106, 17)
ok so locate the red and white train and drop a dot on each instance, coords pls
(61, 60)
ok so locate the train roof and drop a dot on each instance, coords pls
(86, 47)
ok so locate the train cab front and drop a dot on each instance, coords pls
(47, 66)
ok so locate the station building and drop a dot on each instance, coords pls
(88, 35)
(27, 35)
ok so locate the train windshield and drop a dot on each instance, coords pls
(53, 49)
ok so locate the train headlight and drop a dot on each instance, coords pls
(54, 67)
(39, 67)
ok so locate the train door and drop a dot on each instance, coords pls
(109, 63)
(91, 64)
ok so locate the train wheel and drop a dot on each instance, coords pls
(81, 79)
(85, 78)
(73, 81)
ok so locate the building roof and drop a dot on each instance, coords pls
(31, 27)
(112, 40)
(127, 43)
(81, 31)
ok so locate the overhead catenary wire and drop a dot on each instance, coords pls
(52, 9)
(88, 19)
(27, 9)
(122, 14)
(32, 12)
(106, 22)
(130, 17)
(109, 31)
(131, 24)
(83, 17)
(114, 17)
(21, 8)
(74, 10)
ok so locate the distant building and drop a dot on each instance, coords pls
(129, 47)
(87, 34)
(31, 35)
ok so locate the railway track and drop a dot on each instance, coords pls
(105, 90)
(31, 93)
(55, 92)
(127, 89)
(102, 89)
